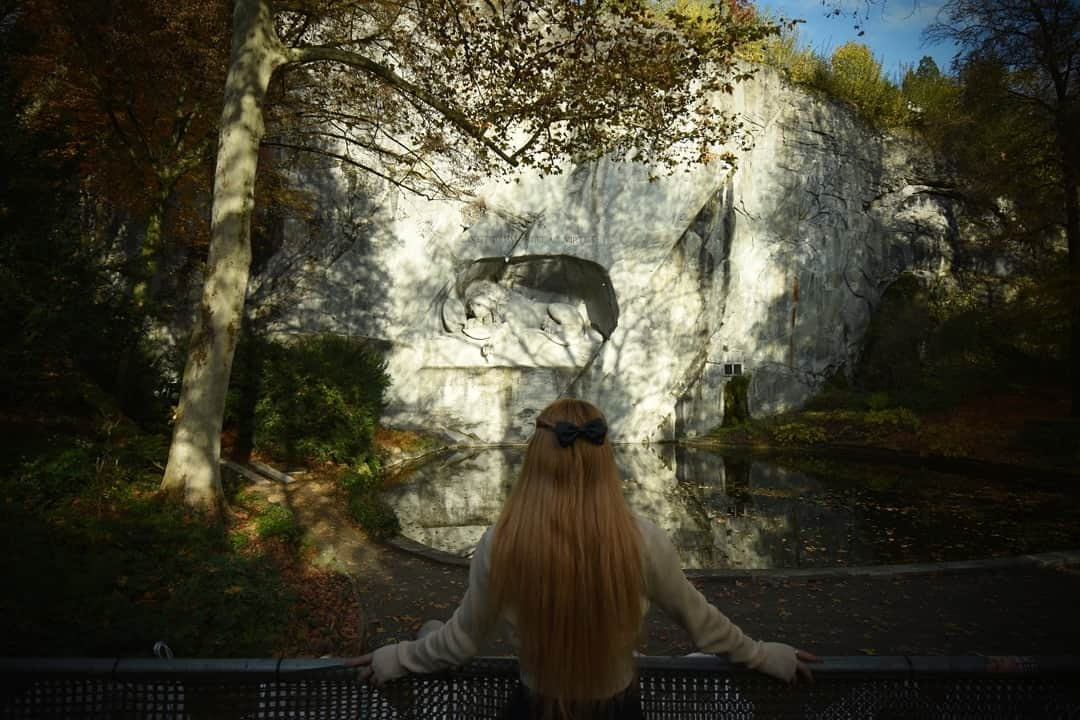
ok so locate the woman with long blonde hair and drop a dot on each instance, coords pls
(573, 571)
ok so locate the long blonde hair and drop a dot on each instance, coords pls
(566, 559)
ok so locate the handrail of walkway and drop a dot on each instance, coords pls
(670, 687)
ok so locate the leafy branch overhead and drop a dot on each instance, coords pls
(390, 85)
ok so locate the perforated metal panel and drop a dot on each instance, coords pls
(855, 688)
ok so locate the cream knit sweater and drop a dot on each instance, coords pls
(665, 584)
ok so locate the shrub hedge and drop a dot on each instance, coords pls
(316, 397)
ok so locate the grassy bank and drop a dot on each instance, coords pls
(1019, 425)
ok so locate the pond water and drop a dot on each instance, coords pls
(746, 512)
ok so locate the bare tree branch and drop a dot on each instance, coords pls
(458, 118)
(399, 182)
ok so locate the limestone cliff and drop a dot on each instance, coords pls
(640, 295)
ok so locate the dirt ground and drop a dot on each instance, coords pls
(1026, 611)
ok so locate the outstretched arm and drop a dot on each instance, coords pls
(453, 643)
(668, 587)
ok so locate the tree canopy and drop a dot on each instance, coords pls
(135, 86)
(1022, 59)
(393, 85)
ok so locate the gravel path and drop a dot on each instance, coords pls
(1024, 611)
(994, 611)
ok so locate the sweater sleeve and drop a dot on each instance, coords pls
(456, 641)
(711, 630)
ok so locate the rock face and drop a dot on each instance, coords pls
(638, 294)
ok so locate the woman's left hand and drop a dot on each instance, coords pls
(366, 673)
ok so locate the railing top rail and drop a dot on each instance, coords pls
(253, 669)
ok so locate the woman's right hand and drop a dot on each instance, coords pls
(802, 658)
(784, 662)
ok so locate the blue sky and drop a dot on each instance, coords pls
(893, 29)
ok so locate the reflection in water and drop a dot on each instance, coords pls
(729, 512)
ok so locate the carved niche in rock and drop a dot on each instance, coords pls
(568, 300)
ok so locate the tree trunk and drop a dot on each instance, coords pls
(151, 250)
(249, 394)
(1066, 142)
(193, 471)
(1072, 234)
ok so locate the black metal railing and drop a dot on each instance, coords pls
(687, 687)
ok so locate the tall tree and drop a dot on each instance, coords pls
(396, 84)
(136, 86)
(1036, 44)
(932, 103)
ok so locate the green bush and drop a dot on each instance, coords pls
(135, 568)
(878, 401)
(360, 478)
(64, 470)
(277, 521)
(373, 514)
(239, 541)
(366, 504)
(933, 100)
(318, 398)
(854, 76)
(797, 434)
(736, 402)
(745, 26)
(798, 65)
(92, 465)
(898, 418)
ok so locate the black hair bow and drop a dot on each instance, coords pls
(566, 433)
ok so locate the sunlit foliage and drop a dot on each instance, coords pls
(854, 76)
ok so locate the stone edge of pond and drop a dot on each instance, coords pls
(400, 542)
(1063, 558)
(890, 456)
